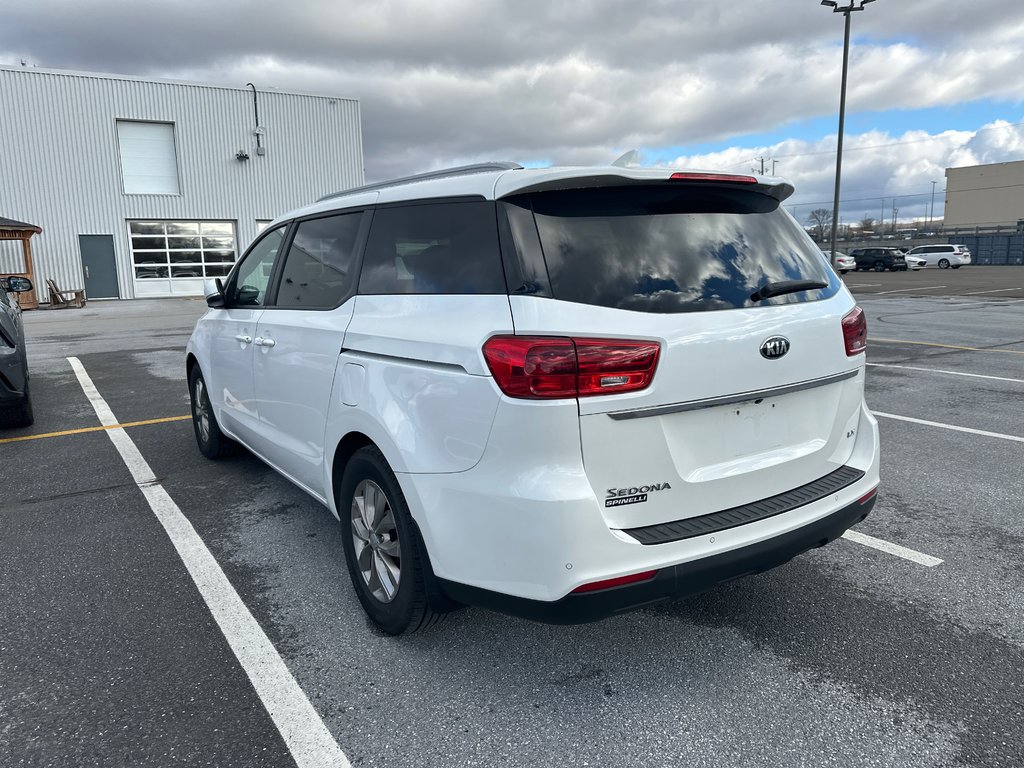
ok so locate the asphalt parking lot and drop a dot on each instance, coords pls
(901, 646)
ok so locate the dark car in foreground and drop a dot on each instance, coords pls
(15, 402)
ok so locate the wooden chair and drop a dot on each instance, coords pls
(76, 297)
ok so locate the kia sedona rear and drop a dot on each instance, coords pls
(564, 393)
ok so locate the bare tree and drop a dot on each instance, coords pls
(867, 224)
(820, 218)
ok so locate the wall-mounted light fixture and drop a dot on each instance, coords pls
(241, 155)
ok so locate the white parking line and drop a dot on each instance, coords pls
(862, 285)
(919, 288)
(305, 734)
(948, 373)
(953, 427)
(892, 549)
(997, 290)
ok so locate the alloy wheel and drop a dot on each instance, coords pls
(201, 404)
(375, 539)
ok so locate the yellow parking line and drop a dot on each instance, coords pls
(93, 429)
(946, 346)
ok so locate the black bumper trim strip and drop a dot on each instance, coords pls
(689, 527)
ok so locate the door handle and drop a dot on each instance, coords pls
(244, 339)
(261, 342)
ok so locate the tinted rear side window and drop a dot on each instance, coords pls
(318, 271)
(672, 249)
(449, 248)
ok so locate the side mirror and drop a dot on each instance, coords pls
(17, 284)
(213, 289)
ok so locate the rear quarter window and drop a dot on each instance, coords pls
(671, 249)
(434, 248)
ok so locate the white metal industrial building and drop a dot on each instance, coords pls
(144, 187)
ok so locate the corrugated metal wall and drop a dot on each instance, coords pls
(59, 165)
(994, 249)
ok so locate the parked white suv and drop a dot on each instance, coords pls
(942, 256)
(560, 393)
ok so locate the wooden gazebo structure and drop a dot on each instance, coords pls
(19, 230)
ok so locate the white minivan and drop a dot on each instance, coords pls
(942, 256)
(559, 393)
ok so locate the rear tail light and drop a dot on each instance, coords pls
(855, 331)
(537, 367)
(619, 581)
(726, 177)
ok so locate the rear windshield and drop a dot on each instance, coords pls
(669, 249)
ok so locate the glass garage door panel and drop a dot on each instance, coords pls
(170, 257)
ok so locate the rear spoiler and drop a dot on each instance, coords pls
(506, 186)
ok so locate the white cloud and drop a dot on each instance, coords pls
(446, 81)
(879, 170)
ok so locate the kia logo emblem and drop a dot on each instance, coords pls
(775, 347)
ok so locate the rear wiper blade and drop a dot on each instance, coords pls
(768, 290)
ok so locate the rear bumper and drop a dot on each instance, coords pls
(671, 582)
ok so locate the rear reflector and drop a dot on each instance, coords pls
(868, 496)
(855, 331)
(726, 177)
(536, 367)
(616, 582)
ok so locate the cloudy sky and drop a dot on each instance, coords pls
(695, 83)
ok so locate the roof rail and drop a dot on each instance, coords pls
(462, 170)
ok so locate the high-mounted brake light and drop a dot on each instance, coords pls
(726, 177)
(619, 581)
(855, 331)
(541, 367)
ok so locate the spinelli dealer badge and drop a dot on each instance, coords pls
(618, 497)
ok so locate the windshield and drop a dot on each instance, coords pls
(670, 249)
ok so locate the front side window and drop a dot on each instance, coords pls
(318, 271)
(248, 286)
(434, 248)
(668, 249)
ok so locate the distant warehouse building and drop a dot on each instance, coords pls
(985, 211)
(985, 196)
(145, 188)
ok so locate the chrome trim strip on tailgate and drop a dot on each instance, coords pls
(689, 527)
(742, 397)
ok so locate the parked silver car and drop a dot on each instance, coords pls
(914, 262)
(844, 263)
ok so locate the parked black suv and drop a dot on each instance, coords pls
(15, 405)
(880, 259)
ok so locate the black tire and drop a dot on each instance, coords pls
(213, 443)
(943, 263)
(19, 414)
(409, 608)
(879, 266)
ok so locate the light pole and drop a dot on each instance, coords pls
(931, 216)
(846, 10)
